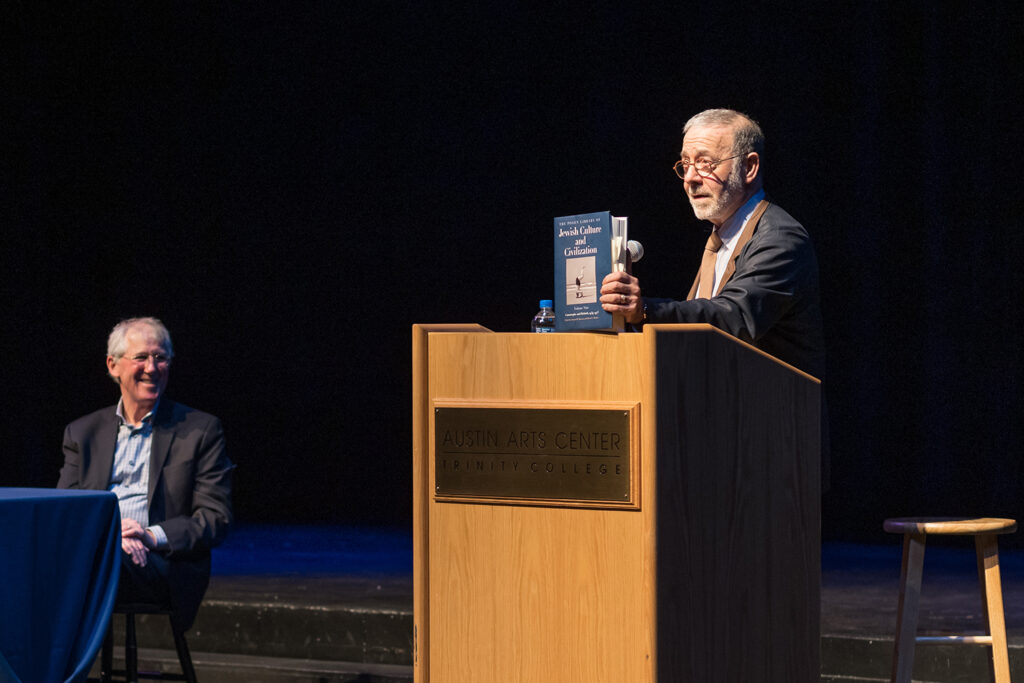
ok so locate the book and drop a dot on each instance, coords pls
(588, 246)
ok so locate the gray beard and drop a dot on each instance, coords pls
(732, 188)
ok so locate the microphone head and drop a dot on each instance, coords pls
(636, 250)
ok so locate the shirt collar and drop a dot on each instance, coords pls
(147, 418)
(731, 228)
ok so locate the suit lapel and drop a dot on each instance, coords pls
(102, 467)
(748, 232)
(163, 435)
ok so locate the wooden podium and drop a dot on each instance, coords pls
(682, 543)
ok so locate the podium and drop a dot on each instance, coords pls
(632, 507)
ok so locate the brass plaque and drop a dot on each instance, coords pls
(532, 454)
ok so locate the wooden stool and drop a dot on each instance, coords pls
(984, 530)
(131, 671)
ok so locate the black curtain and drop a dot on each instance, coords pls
(291, 187)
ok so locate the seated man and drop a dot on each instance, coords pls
(167, 465)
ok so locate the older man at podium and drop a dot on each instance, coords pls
(758, 278)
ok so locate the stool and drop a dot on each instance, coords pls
(984, 531)
(131, 658)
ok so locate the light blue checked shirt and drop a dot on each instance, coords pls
(129, 478)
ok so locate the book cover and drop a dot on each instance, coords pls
(588, 246)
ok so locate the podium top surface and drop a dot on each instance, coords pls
(651, 329)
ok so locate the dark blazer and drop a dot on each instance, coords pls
(189, 487)
(771, 300)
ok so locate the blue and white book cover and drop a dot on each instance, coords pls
(588, 246)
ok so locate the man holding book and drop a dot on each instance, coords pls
(758, 279)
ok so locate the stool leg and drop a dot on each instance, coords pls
(906, 614)
(184, 656)
(131, 651)
(992, 603)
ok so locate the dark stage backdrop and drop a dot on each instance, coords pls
(290, 186)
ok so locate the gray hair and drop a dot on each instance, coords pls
(747, 135)
(116, 341)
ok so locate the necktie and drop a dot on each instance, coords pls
(707, 265)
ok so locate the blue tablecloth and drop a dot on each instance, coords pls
(59, 565)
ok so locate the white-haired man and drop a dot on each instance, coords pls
(759, 277)
(167, 464)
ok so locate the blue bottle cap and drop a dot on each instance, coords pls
(547, 303)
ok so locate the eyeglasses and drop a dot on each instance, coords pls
(704, 166)
(159, 359)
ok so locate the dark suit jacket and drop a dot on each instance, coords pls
(189, 487)
(771, 300)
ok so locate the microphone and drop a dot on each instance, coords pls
(635, 249)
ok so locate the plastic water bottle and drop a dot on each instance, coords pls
(544, 321)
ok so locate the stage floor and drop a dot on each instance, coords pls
(345, 566)
(331, 600)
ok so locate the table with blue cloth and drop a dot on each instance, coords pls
(59, 565)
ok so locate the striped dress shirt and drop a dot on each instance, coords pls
(129, 478)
